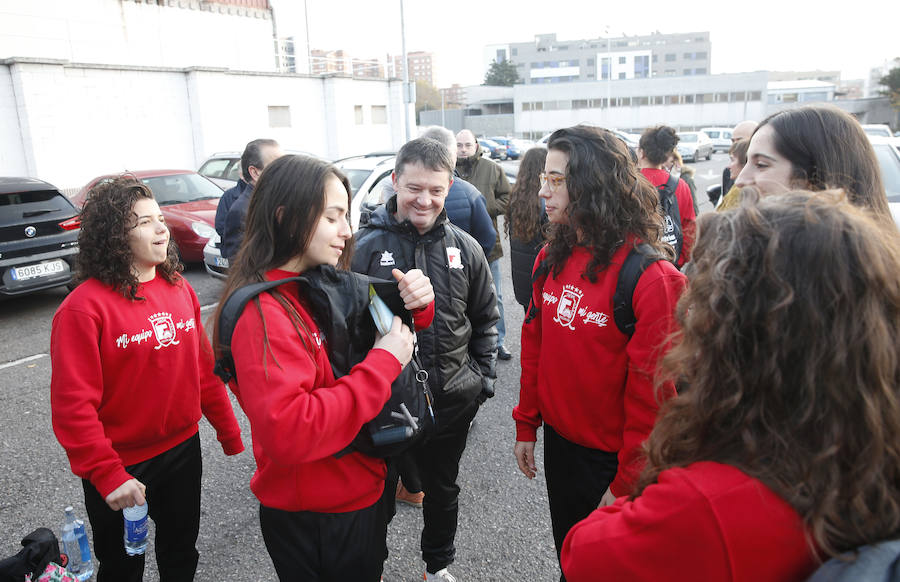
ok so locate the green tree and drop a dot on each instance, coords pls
(427, 97)
(502, 74)
(892, 82)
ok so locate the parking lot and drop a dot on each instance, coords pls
(504, 530)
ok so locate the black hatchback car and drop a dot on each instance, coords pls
(38, 236)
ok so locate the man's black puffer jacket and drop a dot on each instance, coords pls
(459, 348)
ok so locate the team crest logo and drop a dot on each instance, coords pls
(568, 306)
(164, 330)
(670, 226)
(387, 259)
(454, 258)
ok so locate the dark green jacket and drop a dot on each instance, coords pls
(489, 178)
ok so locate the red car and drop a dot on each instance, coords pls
(187, 200)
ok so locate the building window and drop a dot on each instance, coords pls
(580, 103)
(816, 96)
(700, 55)
(640, 101)
(514, 51)
(279, 116)
(379, 114)
(622, 60)
(789, 98)
(688, 99)
(624, 101)
(688, 56)
(700, 71)
(755, 96)
(670, 57)
(358, 112)
(655, 58)
(705, 97)
(669, 72)
(622, 76)
(687, 72)
(657, 99)
(739, 96)
(671, 99)
(501, 55)
(590, 62)
(722, 97)
(590, 75)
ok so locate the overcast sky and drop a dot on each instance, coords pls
(750, 35)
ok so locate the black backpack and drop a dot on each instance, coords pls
(338, 301)
(639, 258)
(668, 203)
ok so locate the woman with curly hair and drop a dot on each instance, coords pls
(525, 219)
(588, 383)
(816, 147)
(132, 374)
(786, 449)
(655, 147)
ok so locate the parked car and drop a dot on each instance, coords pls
(889, 162)
(512, 150)
(720, 136)
(630, 139)
(188, 202)
(694, 145)
(494, 149)
(38, 236)
(877, 130)
(224, 168)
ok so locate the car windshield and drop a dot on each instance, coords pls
(879, 131)
(889, 161)
(356, 178)
(181, 188)
(688, 137)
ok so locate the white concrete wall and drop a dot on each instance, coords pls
(132, 33)
(12, 154)
(67, 123)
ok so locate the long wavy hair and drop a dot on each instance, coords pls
(609, 200)
(789, 334)
(523, 217)
(104, 252)
(284, 212)
(828, 149)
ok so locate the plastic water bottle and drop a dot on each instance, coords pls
(87, 563)
(136, 529)
(72, 547)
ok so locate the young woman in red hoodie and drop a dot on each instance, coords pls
(132, 373)
(655, 147)
(589, 384)
(786, 448)
(319, 513)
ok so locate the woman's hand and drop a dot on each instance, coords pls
(398, 341)
(128, 494)
(415, 288)
(524, 452)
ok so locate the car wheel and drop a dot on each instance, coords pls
(708, 155)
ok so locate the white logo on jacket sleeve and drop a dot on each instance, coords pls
(568, 306)
(454, 258)
(387, 259)
(164, 330)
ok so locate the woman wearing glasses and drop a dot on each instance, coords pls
(588, 383)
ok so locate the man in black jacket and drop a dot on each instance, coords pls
(459, 349)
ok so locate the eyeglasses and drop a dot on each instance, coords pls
(555, 181)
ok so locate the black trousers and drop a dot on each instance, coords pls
(409, 473)
(437, 461)
(307, 546)
(173, 497)
(577, 478)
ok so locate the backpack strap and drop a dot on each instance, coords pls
(540, 274)
(639, 258)
(668, 202)
(228, 318)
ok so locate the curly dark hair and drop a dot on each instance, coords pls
(523, 217)
(104, 252)
(657, 143)
(609, 200)
(789, 335)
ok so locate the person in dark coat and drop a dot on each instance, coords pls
(525, 219)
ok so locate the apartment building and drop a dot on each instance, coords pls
(422, 66)
(548, 60)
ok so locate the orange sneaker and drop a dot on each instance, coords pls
(404, 496)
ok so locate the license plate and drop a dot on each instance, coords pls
(38, 270)
(222, 262)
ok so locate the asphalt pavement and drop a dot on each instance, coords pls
(504, 527)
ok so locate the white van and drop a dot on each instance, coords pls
(720, 136)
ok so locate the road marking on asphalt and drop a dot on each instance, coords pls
(23, 360)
